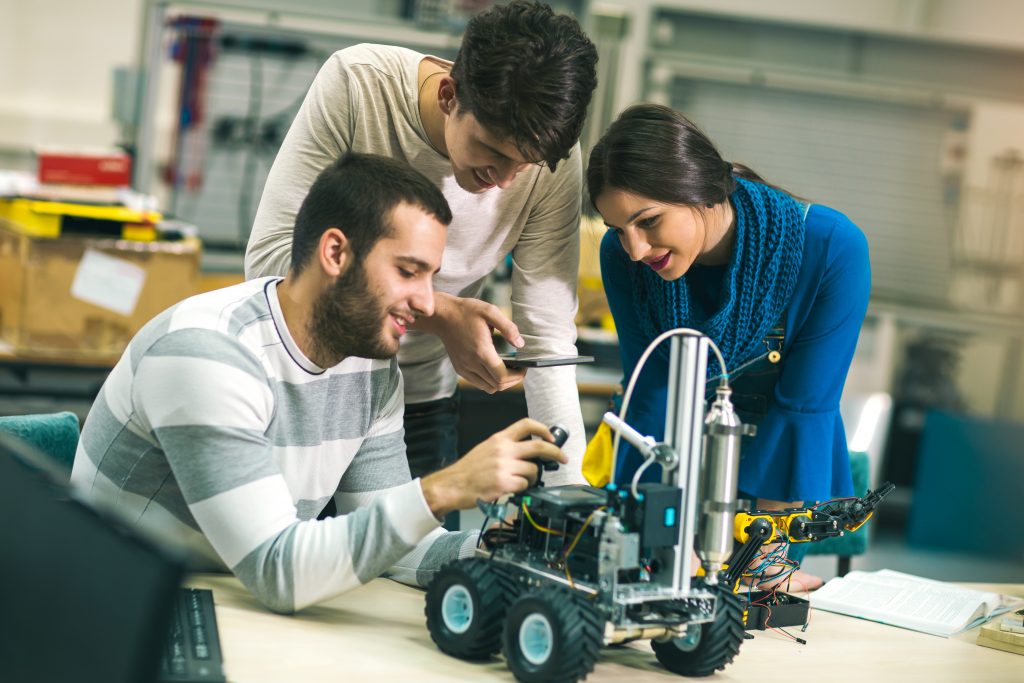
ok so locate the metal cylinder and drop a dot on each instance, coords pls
(719, 477)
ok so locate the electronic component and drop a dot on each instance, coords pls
(655, 513)
(771, 609)
(580, 567)
(522, 360)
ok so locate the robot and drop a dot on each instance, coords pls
(570, 569)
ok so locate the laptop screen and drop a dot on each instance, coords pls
(84, 597)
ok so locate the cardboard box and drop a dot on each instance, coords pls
(85, 297)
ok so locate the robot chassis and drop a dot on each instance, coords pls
(581, 567)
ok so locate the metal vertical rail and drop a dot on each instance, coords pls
(147, 93)
(684, 432)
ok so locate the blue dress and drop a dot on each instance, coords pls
(800, 450)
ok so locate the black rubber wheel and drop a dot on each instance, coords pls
(706, 647)
(552, 635)
(466, 604)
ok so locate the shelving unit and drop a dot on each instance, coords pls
(241, 69)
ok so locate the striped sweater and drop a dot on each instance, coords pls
(215, 425)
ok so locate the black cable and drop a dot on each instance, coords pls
(483, 528)
(799, 640)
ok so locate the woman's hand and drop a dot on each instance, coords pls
(465, 327)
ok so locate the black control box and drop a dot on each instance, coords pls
(763, 609)
(656, 514)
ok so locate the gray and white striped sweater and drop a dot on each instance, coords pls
(215, 425)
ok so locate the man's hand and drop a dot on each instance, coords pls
(465, 327)
(502, 464)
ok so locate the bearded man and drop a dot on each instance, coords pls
(235, 416)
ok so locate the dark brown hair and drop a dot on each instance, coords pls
(527, 74)
(355, 195)
(656, 152)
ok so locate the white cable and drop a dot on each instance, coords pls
(677, 332)
(639, 472)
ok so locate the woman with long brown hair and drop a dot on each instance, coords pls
(780, 284)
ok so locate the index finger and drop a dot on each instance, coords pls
(505, 327)
(527, 427)
(491, 363)
(536, 448)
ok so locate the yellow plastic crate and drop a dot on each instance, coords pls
(39, 218)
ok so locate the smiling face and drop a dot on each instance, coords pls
(668, 238)
(367, 309)
(481, 159)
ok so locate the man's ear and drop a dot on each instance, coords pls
(334, 252)
(446, 95)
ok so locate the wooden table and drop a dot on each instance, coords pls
(378, 633)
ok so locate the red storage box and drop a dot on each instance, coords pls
(112, 169)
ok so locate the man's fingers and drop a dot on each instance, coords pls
(510, 380)
(525, 447)
(505, 378)
(526, 427)
(490, 363)
(525, 471)
(535, 448)
(480, 382)
(505, 327)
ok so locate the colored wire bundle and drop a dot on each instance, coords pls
(757, 572)
(572, 546)
(492, 538)
(583, 528)
(766, 601)
(538, 527)
(759, 578)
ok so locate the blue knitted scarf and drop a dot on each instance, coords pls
(759, 280)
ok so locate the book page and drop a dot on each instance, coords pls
(904, 600)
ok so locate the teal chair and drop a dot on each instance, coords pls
(969, 487)
(55, 434)
(851, 543)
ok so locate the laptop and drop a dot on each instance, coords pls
(87, 597)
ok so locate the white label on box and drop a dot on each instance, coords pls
(108, 282)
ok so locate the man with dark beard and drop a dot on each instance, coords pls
(235, 416)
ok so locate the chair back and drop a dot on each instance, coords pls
(55, 434)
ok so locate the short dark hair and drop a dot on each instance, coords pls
(355, 195)
(528, 74)
(656, 152)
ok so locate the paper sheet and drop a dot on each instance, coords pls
(108, 282)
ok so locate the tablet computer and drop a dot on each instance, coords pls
(533, 360)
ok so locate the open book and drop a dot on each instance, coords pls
(909, 601)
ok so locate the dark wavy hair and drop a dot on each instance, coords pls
(527, 74)
(355, 194)
(656, 152)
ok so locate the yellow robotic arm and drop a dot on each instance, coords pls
(798, 525)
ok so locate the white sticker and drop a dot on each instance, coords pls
(108, 282)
